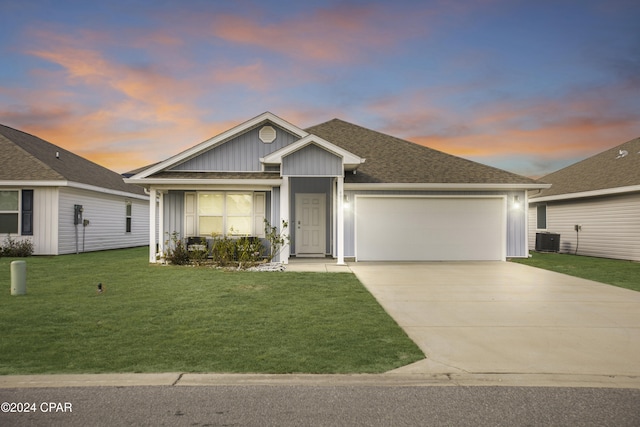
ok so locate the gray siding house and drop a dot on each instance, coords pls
(601, 196)
(345, 191)
(64, 203)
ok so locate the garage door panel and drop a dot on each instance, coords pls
(429, 229)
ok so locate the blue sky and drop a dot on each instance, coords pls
(527, 86)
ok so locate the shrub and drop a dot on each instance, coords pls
(277, 239)
(249, 250)
(224, 251)
(16, 248)
(243, 252)
(197, 250)
(176, 252)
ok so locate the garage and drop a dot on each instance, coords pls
(428, 228)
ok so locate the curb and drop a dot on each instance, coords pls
(320, 380)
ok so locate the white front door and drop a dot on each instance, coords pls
(310, 224)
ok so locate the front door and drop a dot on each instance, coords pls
(310, 224)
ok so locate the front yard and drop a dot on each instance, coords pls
(625, 274)
(187, 319)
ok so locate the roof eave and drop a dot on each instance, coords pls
(146, 182)
(584, 194)
(444, 186)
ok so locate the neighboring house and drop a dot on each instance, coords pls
(64, 203)
(600, 195)
(344, 190)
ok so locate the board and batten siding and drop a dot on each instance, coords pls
(239, 154)
(312, 161)
(516, 218)
(610, 226)
(174, 214)
(107, 221)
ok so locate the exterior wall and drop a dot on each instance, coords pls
(516, 218)
(107, 221)
(240, 154)
(312, 161)
(45, 220)
(173, 214)
(610, 226)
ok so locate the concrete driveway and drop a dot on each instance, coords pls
(503, 317)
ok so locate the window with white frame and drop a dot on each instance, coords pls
(225, 213)
(9, 211)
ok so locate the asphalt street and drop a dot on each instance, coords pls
(266, 405)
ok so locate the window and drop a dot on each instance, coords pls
(27, 212)
(14, 205)
(223, 213)
(542, 217)
(9, 212)
(128, 217)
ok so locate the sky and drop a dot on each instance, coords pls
(525, 86)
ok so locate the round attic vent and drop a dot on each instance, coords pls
(267, 134)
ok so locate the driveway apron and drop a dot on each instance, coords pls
(503, 317)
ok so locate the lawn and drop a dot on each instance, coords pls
(625, 274)
(154, 318)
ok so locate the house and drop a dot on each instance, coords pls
(345, 191)
(64, 203)
(594, 205)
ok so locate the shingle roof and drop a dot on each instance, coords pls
(394, 160)
(27, 157)
(610, 169)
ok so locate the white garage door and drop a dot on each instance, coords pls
(404, 228)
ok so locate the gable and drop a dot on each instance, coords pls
(241, 153)
(312, 160)
(266, 118)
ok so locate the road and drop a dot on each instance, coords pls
(304, 405)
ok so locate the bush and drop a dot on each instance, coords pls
(197, 250)
(16, 248)
(176, 252)
(226, 251)
(249, 250)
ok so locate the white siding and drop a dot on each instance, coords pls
(610, 226)
(107, 221)
(45, 221)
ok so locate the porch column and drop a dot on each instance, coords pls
(161, 222)
(284, 216)
(152, 225)
(340, 221)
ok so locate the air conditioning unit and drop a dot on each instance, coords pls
(547, 242)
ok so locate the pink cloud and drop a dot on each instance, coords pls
(336, 34)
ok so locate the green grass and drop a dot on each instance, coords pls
(184, 319)
(625, 274)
